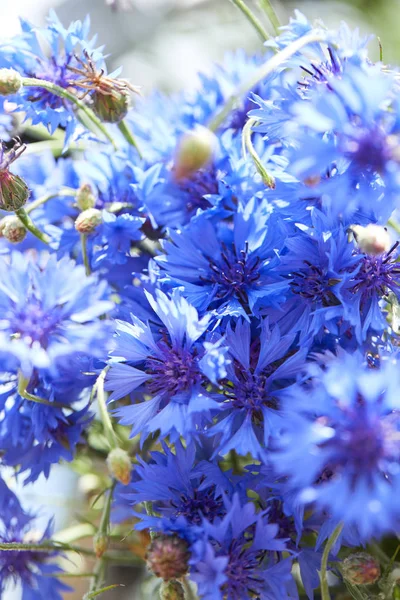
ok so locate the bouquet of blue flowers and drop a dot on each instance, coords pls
(200, 308)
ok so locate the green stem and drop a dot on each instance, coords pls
(104, 414)
(262, 73)
(324, 563)
(63, 93)
(248, 145)
(64, 575)
(271, 14)
(56, 147)
(95, 593)
(23, 383)
(252, 18)
(189, 595)
(85, 256)
(30, 225)
(100, 564)
(128, 135)
(392, 223)
(44, 547)
(39, 201)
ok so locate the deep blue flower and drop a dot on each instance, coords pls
(167, 364)
(347, 130)
(238, 558)
(262, 366)
(341, 450)
(234, 269)
(317, 267)
(27, 54)
(178, 485)
(33, 570)
(50, 312)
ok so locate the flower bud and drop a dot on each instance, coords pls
(88, 220)
(168, 557)
(120, 466)
(172, 590)
(85, 198)
(111, 108)
(10, 82)
(361, 569)
(13, 191)
(372, 239)
(100, 543)
(12, 229)
(194, 151)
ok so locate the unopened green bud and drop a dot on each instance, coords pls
(372, 239)
(361, 569)
(88, 220)
(168, 557)
(14, 192)
(100, 543)
(194, 151)
(12, 229)
(171, 590)
(85, 198)
(111, 108)
(10, 82)
(120, 465)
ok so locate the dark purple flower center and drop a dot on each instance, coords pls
(364, 444)
(369, 150)
(196, 187)
(235, 273)
(377, 275)
(313, 284)
(241, 571)
(200, 504)
(177, 371)
(35, 323)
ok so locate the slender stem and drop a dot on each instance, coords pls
(43, 199)
(262, 73)
(23, 384)
(56, 147)
(392, 223)
(100, 565)
(44, 547)
(85, 256)
(324, 563)
(128, 135)
(95, 593)
(271, 14)
(189, 595)
(64, 575)
(105, 416)
(63, 93)
(30, 225)
(252, 18)
(248, 145)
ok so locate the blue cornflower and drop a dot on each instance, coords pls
(238, 557)
(178, 485)
(374, 279)
(167, 363)
(234, 268)
(114, 237)
(341, 450)
(50, 313)
(349, 130)
(262, 366)
(317, 266)
(32, 569)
